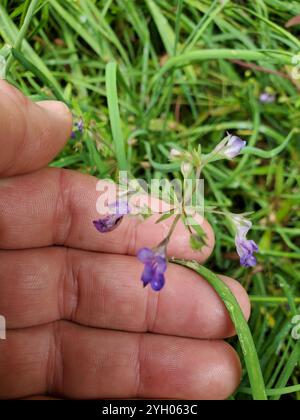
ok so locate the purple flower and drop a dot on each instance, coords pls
(155, 266)
(233, 147)
(245, 247)
(117, 211)
(230, 147)
(267, 98)
(79, 127)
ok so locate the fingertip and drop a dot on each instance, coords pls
(33, 133)
(8, 89)
(60, 112)
(190, 369)
(231, 373)
(222, 369)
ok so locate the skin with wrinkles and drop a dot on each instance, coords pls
(78, 320)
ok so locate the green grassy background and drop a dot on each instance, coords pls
(188, 71)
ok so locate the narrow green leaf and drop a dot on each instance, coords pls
(114, 115)
(242, 328)
(38, 73)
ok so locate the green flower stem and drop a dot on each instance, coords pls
(249, 351)
(268, 154)
(172, 228)
(265, 154)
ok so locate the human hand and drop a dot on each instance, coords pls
(80, 325)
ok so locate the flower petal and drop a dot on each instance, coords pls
(248, 261)
(145, 255)
(242, 224)
(107, 223)
(158, 282)
(148, 274)
(254, 246)
(161, 264)
(119, 208)
(234, 147)
(245, 249)
(267, 98)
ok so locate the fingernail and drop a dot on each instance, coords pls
(56, 107)
(59, 110)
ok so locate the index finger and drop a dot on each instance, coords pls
(57, 207)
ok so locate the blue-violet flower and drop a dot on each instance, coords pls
(117, 211)
(155, 262)
(79, 126)
(230, 147)
(245, 247)
(267, 98)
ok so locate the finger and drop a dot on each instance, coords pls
(31, 134)
(63, 359)
(55, 206)
(45, 285)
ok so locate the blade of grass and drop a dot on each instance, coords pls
(114, 115)
(242, 328)
(38, 73)
(288, 369)
(275, 392)
(23, 30)
(77, 26)
(9, 33)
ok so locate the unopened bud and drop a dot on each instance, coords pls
(175, 153)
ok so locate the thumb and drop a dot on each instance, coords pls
(31, 133)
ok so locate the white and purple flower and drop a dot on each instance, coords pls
(78, 127)
(245, 247)
(230, 147)
(118, 210)
(155, 262)
(267, 98)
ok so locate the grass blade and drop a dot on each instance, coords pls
(114, 115)
(242, 328)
